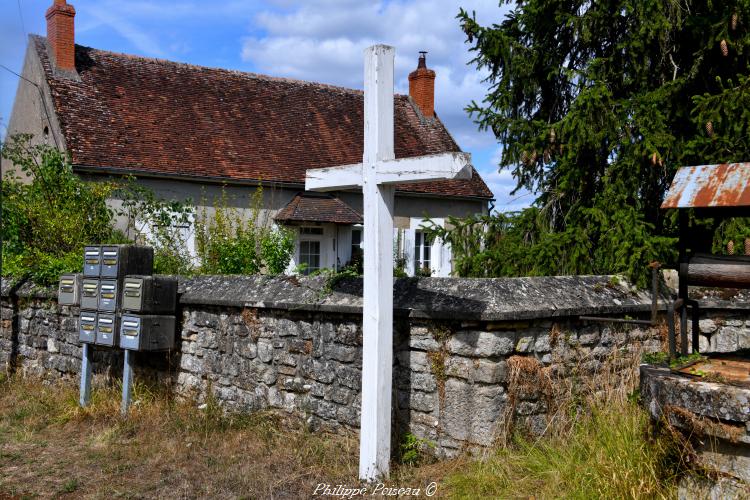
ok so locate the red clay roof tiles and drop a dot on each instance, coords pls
(149, 116)
(317, 207)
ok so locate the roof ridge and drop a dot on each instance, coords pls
(237, 72)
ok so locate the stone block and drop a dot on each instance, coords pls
(265, 350)
(471, 412)
(416, 360)
(416, 381)
(349, 377)
(245, 347)
(322, 371)
(343, 353)
(421, 338)
(482, 344)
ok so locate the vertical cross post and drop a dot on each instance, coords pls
(378, 174)
(85, 390)
(377, 317)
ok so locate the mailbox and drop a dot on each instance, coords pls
(67, 292)
(149, 294)
(120, 260)
(108, 295)
(87, 327)
(106, 329)
(90, 293)
(92, 262)
(147, 332)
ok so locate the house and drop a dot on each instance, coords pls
(189, 131)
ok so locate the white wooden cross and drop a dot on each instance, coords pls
(376, 176)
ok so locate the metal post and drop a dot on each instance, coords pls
(683, 330)
(127, 382)
(85, 390)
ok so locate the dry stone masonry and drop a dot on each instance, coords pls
(294, 345)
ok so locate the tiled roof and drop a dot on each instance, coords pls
(149, 116)
(316, 207)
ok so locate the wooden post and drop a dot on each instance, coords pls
(377, 174)
(377, 318)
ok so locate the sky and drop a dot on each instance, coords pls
(317, 40)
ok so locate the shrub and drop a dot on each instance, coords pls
(48, 220)
(228, 243)
(163, 224)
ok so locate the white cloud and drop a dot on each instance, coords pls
(323, 40)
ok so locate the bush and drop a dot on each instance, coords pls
(228, 243)
(163, 224)
(47, 221)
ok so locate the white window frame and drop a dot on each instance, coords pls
(315, 236)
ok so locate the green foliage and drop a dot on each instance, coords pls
(163, 224)
(47, 220)
(607, 454)
(597, 104)
(412, 449)
(276, 249)
(656, 358)
(229, 243)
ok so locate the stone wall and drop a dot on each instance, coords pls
(295, 345)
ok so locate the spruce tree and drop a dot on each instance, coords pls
(596, 104)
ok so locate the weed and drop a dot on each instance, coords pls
(70, 486)
(412, 449)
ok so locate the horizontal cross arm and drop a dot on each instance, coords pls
(441, 166)
(334, 178)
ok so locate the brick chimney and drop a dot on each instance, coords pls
(60, 34)
(422, 86)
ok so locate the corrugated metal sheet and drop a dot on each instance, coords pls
(724, 185)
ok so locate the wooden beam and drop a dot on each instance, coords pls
(334, 178)
(439, 166)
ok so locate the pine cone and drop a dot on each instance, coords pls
(733, 23)
(709, 128)
(724, 48)
(730, 247)
(653, 159)
(747, 246)
(552, 136)
(524, 157)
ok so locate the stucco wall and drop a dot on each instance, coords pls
(31, 113)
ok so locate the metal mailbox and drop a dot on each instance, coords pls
(147, 332)
(87, 327)
(92, 262)
(69, 289)
(90, 293)
(149, 294)
(120, 260)
(108, 295)
(106, 329)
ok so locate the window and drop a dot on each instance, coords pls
(309, 254)
(311, 231)
(422, 248)
(356, 242)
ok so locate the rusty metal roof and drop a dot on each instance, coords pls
(724, 185)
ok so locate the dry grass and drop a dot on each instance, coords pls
(599, 442)
(597, 446)
(165, 449)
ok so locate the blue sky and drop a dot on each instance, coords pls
(319, 40)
